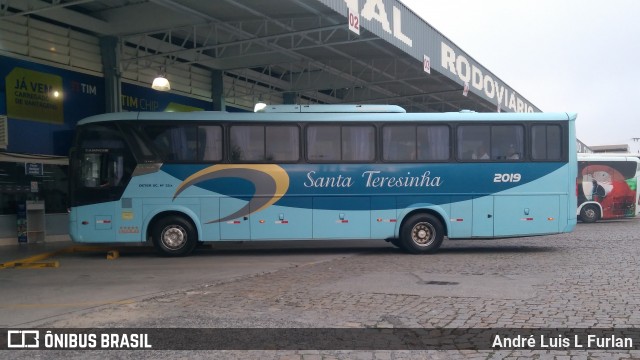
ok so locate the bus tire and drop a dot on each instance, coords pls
(589, 214)
(421, 234)
(174, 236)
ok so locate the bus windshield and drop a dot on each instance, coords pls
(101, 164)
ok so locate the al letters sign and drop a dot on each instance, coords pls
(454, 63)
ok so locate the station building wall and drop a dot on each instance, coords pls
(43, 104)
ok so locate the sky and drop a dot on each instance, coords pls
(578, 56)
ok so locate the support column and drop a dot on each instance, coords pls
(217, 90)
(111, 68)
(289, 98)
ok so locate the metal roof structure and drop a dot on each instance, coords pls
(619, 148)
(288, 51)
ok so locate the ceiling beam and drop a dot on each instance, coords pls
(60, 14)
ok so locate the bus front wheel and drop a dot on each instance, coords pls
(174, 236)
(589, 214)
(422, 233)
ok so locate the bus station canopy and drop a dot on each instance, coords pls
(287, 51)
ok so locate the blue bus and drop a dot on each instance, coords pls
(296, 172)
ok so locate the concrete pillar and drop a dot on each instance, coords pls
(289, 98)
(111, 68)
(217, 90)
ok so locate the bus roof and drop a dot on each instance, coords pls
(608, 157)
(339, 108)
(327, 116)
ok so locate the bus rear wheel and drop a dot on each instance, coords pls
(174, 236)
(589, 214)
(422, 233)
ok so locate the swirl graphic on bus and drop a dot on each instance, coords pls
(271, 183)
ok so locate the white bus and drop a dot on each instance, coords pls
(607, 186)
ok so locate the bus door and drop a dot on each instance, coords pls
(483, 217)
(102, 177)
(102, 169)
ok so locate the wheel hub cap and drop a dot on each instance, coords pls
(174, 237)
(423, 234)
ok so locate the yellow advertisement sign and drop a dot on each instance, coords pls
(175, 107)
(33, 95)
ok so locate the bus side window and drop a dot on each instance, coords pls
(399, 143)
(546, 142)
(507, 142)
(433, 142)
(282, 143)
(183, 143)
(474, 140)
(323, 143)
(175, 143)
(554, 142)
(209, 143)
(247, 143)
(358, 143)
